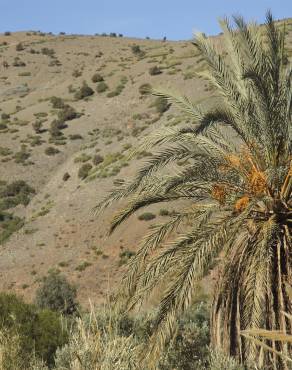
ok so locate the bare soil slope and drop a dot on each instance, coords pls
(59, 228)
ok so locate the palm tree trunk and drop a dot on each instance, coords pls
(226, 317)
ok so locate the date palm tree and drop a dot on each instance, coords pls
(231, 174)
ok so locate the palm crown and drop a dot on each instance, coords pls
(237, 179)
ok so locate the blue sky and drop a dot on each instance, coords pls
(175, 19)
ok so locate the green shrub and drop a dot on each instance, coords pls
(15, 188)
(40, 332)
(101, 87)
(66, 176)
(24, 74)
(119, 88)
(18, 62)
(50, 335)
(84, 170)
(83, 157)
(97, 78)
(19, 47)
(161, 105)
(9, 224)
(75, 137)
(5, 116)
(54, 63)
(83, 92)
(56, 127)
(163, 212)
(47, 51)
(17, 192)
(125, 256)
(37, 126)
(57, 102)
(147, 216)
(136, 50)
(21, 156)
(50, 150)
(111, 94)
(76, 73)
(3, 126)
(41, 114)
(83, 266)
(145, 89)
(97, 159)
(189, 349)
(155, 70)
(4, 152)
(67, 113)
(57, 294)
(35, 140)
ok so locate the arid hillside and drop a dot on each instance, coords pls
(72, 109)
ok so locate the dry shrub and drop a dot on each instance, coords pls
(95, 343)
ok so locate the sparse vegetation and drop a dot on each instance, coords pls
(50, 150)
(48, 52)
(19, 46)
(125, 256)
(57, 103)
(146, 216)
(5, 116)
(163, 212)
(18, 62)
(75, 137)
(83, 157)
(56, 127)
(66, 176)
(24, 74)
(119, 88)
(4, 152)
(97, 78)
(76, 73)
(84, 92)
(37, 126)
(97, 159)
(22, 156)
(161, 105)
(83, 266)
(155, 70)
(136, 50)
(145, 89)
(84, 170)
(67, 113)
(101, 87)
(14, 193)
(9, 224)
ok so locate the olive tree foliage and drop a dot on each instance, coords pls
(57, 294)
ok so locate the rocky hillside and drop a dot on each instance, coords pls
(72, 108)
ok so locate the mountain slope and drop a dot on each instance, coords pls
(59, 229)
